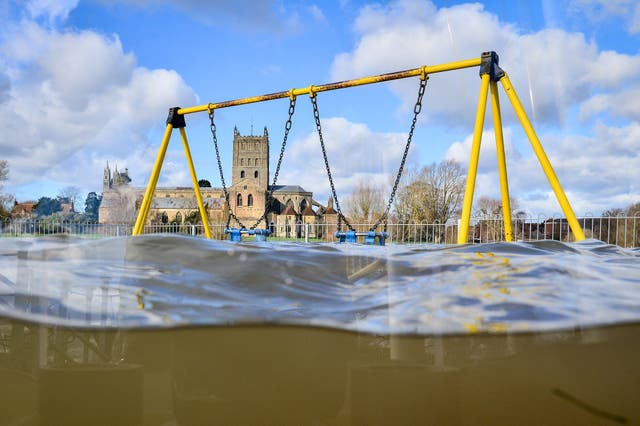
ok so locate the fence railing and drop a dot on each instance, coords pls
(620, 230)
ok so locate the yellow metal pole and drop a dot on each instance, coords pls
(153, 181)
(426, 69)
(542, 158)
(473, 161)
(502, 162)
(196, 186)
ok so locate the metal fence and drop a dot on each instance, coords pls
(620, 230)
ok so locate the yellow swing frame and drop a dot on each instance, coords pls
(490, 74)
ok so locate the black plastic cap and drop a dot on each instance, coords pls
(489, 65)
(175, 119)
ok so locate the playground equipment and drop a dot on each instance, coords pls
(490, 75)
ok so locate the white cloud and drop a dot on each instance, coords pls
(355, 154)
(316, 13)
(52, 10)
(625, 104)
(243, 15)
(634, 26)
(551, 69)
(601, 10)
(76, 100)
(597, 172)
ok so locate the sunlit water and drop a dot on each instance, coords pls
(176, 330)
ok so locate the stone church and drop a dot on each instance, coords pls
(290, 209)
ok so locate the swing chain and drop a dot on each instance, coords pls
(287, 127)
(416, 111)
(316, 115)
(224, 186)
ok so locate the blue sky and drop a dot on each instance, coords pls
(86, 82)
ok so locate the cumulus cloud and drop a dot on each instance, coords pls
(76, 99)
(597, 172)
(624, 104)
(355, 154)
(600, 10)
(51, 10)
(244, 15)
(555, 73)
(551, 69)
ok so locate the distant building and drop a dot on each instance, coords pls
(291, 204)
(23, 210)
(26, 209)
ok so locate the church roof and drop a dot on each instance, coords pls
(288, 211)
(308, 211)
(288, 188)
(184, 203)
(330, 210)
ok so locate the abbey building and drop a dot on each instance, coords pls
(291, 205)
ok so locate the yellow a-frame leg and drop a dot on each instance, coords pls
(490, 74)
(502, 163)
(174, 120)
(542, 158)
(196, 186)
(153, 181)
(463, 230)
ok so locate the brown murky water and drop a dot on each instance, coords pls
(288, 375)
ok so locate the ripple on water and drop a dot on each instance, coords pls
(160, 281)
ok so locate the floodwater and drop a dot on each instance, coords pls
(167, 330)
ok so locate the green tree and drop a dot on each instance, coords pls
(203, 183)
(91, 206)
(47, 206)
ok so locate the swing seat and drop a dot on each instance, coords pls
(371, 237)
(235, 234)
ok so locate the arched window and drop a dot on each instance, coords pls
(179, 217)
(249, 200)
(255, 163)
(242, 174)
(242, 161)
(255, 174)
(239, 200)
(165, 218)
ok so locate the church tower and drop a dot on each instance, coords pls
(251, 159)
(106, 178)
(249, 176)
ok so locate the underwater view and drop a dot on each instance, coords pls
(170, 330)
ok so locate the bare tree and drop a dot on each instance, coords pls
(5, 199)
(120, 206)
(490, 227)
(71, 193)
(431, 194)
(447, 183)
(366, 203)
(4, 171)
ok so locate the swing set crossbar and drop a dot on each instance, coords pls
(420, 71)
(490, 74)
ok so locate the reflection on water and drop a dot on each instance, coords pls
(180, 331)
(288, 375)
(159, 281)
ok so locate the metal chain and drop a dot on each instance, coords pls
(224, 186)
(316, 115)
(416, 111)
(287, 127)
